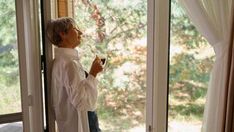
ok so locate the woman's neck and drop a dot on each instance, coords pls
(66, 45)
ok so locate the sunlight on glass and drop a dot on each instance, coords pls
(118, 32)
(9, 68)
(191, 60)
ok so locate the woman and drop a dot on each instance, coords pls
(73, 94)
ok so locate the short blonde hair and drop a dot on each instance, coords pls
(56, 26)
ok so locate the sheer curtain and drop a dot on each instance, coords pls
(212, 19)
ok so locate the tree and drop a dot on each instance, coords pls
(123, 38)
(9, 70)
(189, 69)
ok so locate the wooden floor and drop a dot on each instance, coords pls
(12, 127)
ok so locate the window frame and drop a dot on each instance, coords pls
(29, 63)
(157, 65)
(9, 118)
(49, 10)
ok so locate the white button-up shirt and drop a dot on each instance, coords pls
(73, 94)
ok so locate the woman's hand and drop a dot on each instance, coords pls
(96, 66)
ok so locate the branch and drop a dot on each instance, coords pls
(129, 30)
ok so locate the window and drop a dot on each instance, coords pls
(118, 31)
(10, 104)
(191, 60)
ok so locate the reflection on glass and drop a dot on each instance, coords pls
(191, 60)
(9, 68)
(11, 127)
(118, 30)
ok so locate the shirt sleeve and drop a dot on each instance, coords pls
(82, 92)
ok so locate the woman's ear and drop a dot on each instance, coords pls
(62, 35)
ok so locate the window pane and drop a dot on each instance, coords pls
(117, 30)
(191, 60)
(11, 127)
(9, 68)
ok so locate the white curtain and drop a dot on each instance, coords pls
(212, 19)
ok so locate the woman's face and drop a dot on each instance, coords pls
(73, 36)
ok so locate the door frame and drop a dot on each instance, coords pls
(29, 63)
(49, 10)
(157, 64)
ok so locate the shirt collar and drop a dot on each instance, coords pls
(66, 52)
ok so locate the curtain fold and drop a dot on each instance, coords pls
(228, 118)
(212, 18)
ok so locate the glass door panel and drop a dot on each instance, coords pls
(10, 95)
(9, 63)
(11, 127)
(191, 60)
(117, 30)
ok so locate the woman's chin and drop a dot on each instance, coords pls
(78, 43)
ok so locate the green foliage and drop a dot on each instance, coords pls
(183, 31)
(189, 75)
(7, 22)
(122, 86)
(189, 68)
(9, 70)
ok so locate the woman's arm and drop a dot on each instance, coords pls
(82, 92)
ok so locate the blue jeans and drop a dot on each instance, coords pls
(93, 122)
(92, 116)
